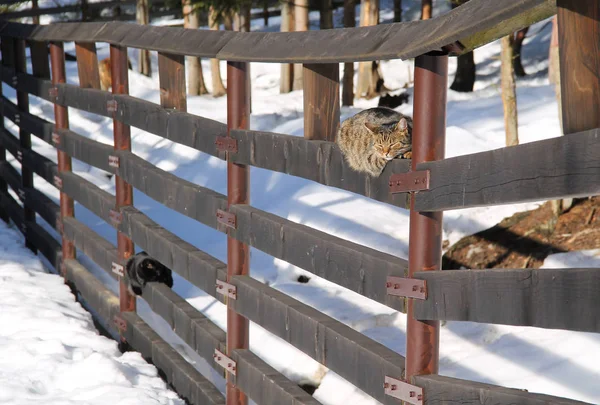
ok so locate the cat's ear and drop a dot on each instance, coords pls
(402, 125)
(371, 127)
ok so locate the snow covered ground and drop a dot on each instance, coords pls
(50, 351)
(547, 361)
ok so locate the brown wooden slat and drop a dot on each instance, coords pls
(29, 122)
(86, 150)
(566, 166)
(40, 64)
(353, 356)
(473, 24)
(440, 390)
(318, 161)
(87, 65)
(544, 298)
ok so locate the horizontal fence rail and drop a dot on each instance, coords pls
(473, 24)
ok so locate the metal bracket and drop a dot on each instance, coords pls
(56, 138)
(19, 156)
(409, 182)
(21, 194)
(113, 161)
(226, 218)
(53, 92)
(15, 81)
(225, 362)
(116, 217)
(226, 144)
(226, 289)
(120, 323)
(111, 106)
(58, 182)
(63, 268)
(407, 287)
(17, 118)
(403, 391)
(117, 269)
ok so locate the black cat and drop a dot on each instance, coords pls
(142, 269)
(393, 101)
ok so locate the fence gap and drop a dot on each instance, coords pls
(124, 191)
(238, 192)
(24, 139)
(578, 36)
(171, 74)
(425, 238)
(87, 65)
(61, 119)
(321, 101)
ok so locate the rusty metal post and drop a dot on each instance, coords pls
(61, 119)
(238, 192)
(321, 101)
(24, 137)
(425, 243)
(124, 191)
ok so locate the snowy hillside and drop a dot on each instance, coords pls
(548, 361)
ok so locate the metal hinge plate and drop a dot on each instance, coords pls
(19, 156)
(53, 92)
(407, 287)
(226, 144)
(117, 269)
(226, 289)
(226, 218)
(120, 323)
(403, 391)
(225, 362)
(111, 106)
(21, 194)
(17, 118)
(58, 182)
(59, 226)
(55, 138)
(409, 182)
(113, 161)
(116, 217)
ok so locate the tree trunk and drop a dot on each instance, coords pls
(397, 10)
(326, 15)
(34, 6)
(370, 82)
(348, 80)
(142, 17)
(287, 70)
(426, 9)
(517, 46)
(464, 79)
(301, 17)
(509, 96)
(196, 83)
(218, 89)
(266, 13)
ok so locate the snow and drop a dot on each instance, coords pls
(50, 351)
(554, 362)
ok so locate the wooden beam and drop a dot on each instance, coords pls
(321, 101)
(544, 298)
(87, 65)
(579, 50)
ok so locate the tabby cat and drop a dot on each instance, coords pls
(373, 137)
(142, 269)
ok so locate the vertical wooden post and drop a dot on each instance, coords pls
(124, 191)
(61, 119)
(579, 39)
(87, 65)
(142, 16)
(24, 136)
(321, 101)
(171, 72)
(425, 243)
(238, 192)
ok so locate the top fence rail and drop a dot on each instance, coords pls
(471, 25)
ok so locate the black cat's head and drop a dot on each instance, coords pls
(152, 270)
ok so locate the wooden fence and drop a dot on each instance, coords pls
(554, 168)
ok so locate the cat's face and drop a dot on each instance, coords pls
(391, 141)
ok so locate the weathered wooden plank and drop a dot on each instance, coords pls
(561, 167)
(471, 25)
(358, 268)
(318, 161)
(102, 252)
(544, 298)
(265, 385)
(49, 247)
(29, 122)
(353, 356)
(87, 65)
(40, 165)
(85, 149)
(171, 72)
(43, 205)
(440, 390)
(11, 176)
(321, 101)
(40, 65)
(87, 194)
(186, 380)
